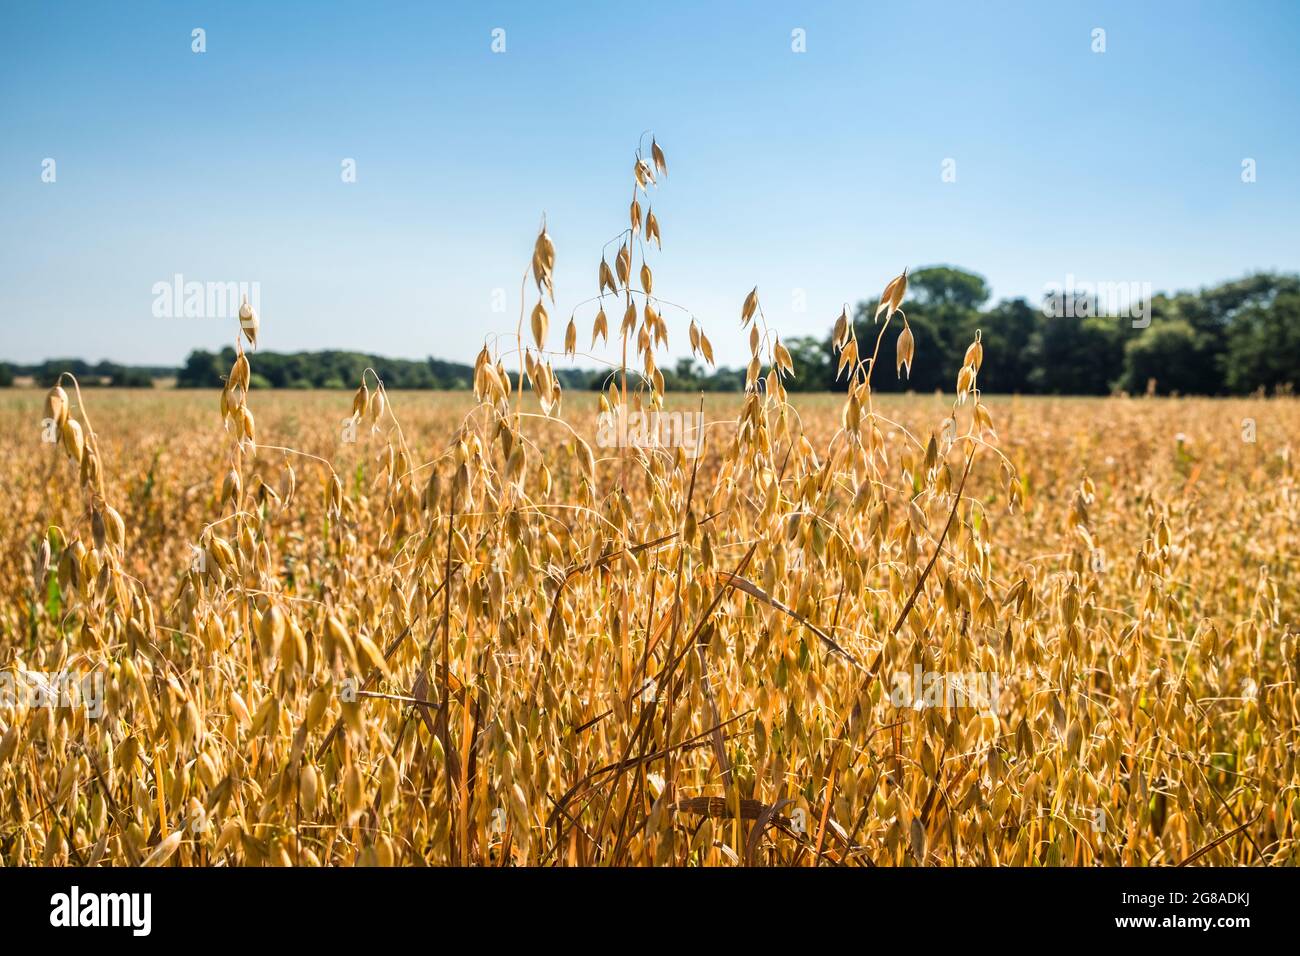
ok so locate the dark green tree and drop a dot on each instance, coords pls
(1006, 331)
(1076, 356)
(1170, 353)
(814, 369)
(121, 376)
(947, 286)
(1264, 345)
(201, 370)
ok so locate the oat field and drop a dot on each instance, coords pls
(619, 676)
(853, 630)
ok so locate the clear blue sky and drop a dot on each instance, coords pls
(817, 171)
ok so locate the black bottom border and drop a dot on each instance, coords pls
(343, 907)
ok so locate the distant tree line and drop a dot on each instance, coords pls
(89, 375)
(1232, 339)
(329, 369)
(344, 370)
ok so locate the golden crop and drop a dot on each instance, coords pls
(854, 630)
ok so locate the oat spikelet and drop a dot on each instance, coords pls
(657, 154)
(571, 338)
(749, 307)
(541, 322)
(249, 322)
(892, 297)
(904, 350)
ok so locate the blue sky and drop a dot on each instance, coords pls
(817, 171)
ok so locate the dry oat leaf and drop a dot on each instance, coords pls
(742, 584)
(161, 853)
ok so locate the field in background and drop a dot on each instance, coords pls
(743, 698)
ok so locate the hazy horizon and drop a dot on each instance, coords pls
(577, 363)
